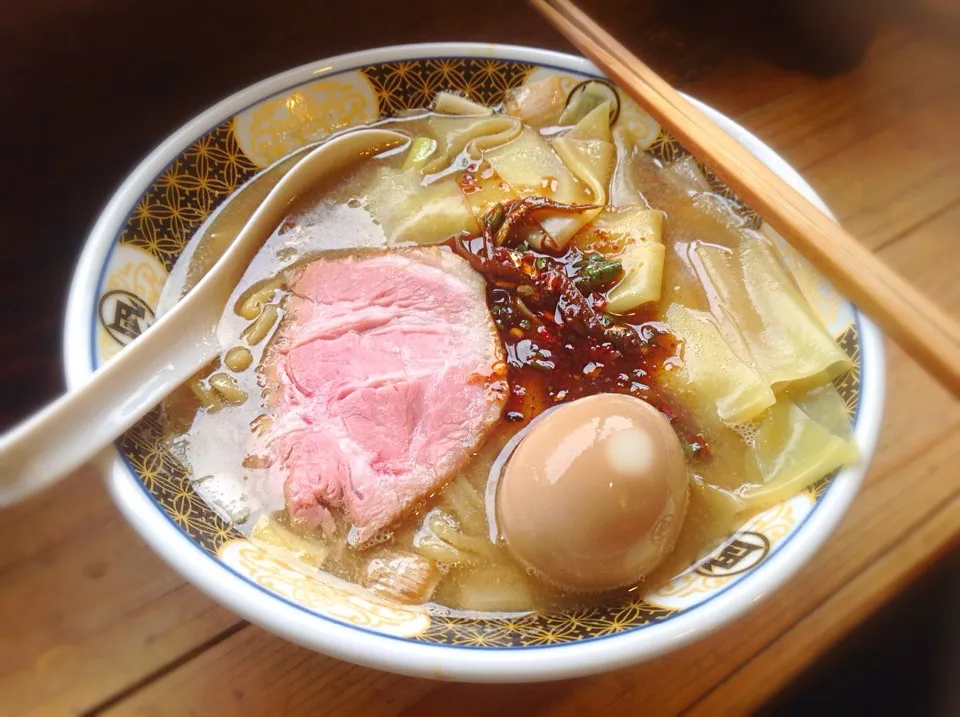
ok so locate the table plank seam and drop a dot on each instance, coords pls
(853, 111)
(875, 475)
(911, 574)
(807, 168)
(897, 42)
(914, 527)
(163, 671)
(936, 214)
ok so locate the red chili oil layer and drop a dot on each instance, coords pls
(548, 364)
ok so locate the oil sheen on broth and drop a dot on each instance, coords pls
(736, 467)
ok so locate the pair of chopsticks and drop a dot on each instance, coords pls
(919, 326)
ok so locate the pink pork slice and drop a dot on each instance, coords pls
(389, 375)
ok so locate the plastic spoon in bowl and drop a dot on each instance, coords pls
(75, 428)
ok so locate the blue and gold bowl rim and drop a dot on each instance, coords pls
(206, 172)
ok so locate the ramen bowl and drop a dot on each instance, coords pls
(180, 187)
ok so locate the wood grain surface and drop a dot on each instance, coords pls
(91, 622)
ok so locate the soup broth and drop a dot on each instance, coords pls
(737, 438)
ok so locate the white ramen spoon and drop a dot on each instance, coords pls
(76, 427)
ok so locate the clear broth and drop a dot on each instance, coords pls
(217, 446)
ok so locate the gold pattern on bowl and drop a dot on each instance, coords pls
(320, 596)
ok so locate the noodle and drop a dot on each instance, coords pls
(258, 330)
(238, 359)
(208, 399)
(254, 299)
(227, 387)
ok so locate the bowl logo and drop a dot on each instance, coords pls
(124, 315)
(745, 550)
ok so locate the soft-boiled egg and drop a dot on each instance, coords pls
(594, 496)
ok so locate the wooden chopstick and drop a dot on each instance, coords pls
(918, 325)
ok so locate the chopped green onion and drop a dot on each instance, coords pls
(421, 148)
(596, 274)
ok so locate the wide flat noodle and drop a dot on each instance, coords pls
(484, 188)
(713, 371)
(792, 451)
(755, 297)
(623, 184)
(456, 135)
(623, 225)
(593, 95)
(589, 153)
(643, 256)
(531, 167)
(454, 104)
(595, 125)
(825, 406)
(590, 160)
(424, 215)
(686, 177)
(538, 104)
(773, 288)
(643, 269)
(634, 236)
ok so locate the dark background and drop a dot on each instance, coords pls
(89, 87)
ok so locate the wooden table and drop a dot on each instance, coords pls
(92, 622)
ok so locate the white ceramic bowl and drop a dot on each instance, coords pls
(181, 183)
